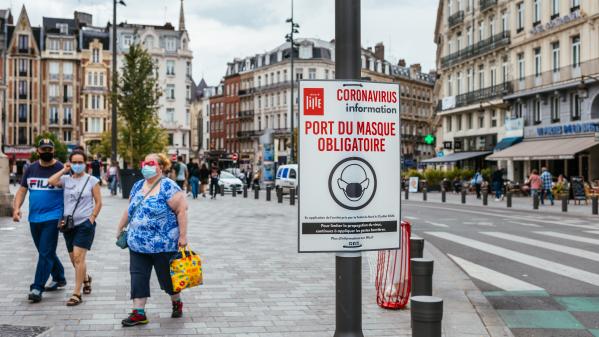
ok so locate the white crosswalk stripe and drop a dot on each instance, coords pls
(570, 237)
(592, 232)
(436, 224)
(585, 254)
(533, 261)
(525, 224)
(492, 277)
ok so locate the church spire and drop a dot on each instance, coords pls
(181, 18)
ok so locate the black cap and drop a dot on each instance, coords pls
(45, 142)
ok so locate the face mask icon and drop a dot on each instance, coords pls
(353, 182)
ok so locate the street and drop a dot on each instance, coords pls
(538, 269)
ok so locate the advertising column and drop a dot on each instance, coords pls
(349, 162)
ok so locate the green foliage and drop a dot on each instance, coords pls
(412, 173)
(433, 177)
(467, 174)
(61, 151)
(104, 147)
(486, 173)
(137, 101)
(453, 173)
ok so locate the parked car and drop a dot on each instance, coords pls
(228, 181)
(236, 172)
(286, 177)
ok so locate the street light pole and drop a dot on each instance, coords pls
(290, 39)
(113, 123)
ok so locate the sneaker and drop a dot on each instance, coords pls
(53, 286)
(177, 309)
(35, 296)
(134, 319)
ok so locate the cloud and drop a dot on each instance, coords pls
(221, 30)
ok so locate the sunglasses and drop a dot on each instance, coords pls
(149, 163)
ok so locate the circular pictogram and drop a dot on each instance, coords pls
(352, 183)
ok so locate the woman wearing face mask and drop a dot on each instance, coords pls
(82, 201)
(157, 219)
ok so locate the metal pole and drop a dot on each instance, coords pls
(416, 248)
(463, 196)
(485, 198)
(565, 203)
(407, 193)
(348, 266)
(509, 199)
(595, 205)
(424, 194)
(426, 316)
(268, 189)
(292, 196)
(291, 150)
(114, 79)
(443, 195)
(535, 201)
(422, 276)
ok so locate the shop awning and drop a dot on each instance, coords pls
(454, 157)
(507, 142)
(557, 148)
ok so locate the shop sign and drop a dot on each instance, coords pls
(557, 22)
(349, 152)
(567, 129)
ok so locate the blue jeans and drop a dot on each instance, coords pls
(546, 192)
(45, 237)
(498, 189)
(194, 182)
(113, 184)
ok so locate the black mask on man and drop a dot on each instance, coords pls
(46, 156)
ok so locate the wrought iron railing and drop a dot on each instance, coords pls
(483, 94)
(486, 4)
(489, 44)
(456, 18)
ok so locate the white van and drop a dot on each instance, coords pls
(286, 177)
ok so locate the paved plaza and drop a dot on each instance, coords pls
(256, 284)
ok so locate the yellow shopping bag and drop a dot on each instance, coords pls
(186, 270)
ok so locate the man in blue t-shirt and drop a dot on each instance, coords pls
(45, 210)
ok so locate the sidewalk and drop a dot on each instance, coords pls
(518, 203)
(256, 284)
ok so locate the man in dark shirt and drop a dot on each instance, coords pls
(97, 169)
(45, 210)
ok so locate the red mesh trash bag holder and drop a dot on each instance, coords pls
(393, 280)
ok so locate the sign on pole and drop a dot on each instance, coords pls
(349, 166)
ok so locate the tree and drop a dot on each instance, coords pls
(60, 149)
(137, 101)
(104, 147)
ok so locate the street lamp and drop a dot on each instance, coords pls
(114, 76)
(289, 38)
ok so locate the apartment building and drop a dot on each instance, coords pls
(5, 20)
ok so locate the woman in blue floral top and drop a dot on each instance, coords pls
(157, 215)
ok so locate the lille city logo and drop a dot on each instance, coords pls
(313, 101)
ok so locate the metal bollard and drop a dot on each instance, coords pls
(443, 196)
(422, 277)
(595, 205)
(234, 191)
(564, 203)
(292, 196)
(463, 196)
(416, 248)
(407, 194)
(485, 198)
(268, 190)
(280, 195)
(245, 191)
(424, 194)
(426, 316)
(256, 193)
(508, 197)
(535, 201)
(222, 191)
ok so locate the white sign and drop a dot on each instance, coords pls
(349, 162)
(448, 103)
(413, 185)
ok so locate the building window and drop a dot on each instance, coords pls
(520, 18)
(448, 120)
(53, 115)
(67, 71)
(493, 119)
(536, 5)
(449, 87)
(22, 113)
(504, 22)
(312, 74)
(67, 45)
(576, 51)
(459, 83)
(170, 115)
(491, 26)
(536, 111)
(67, 116)
(23, 43)
(481, 31)
(555, 56)
(53, 90)
(481, 77)
(170, 139)
(171, 44)
(66, 136)
(459, 122)
(149, 42)
(554, 9)
(53, 44)
(481, 119)
(170, 91)
(299, 74)
(575, 5)
(102, 79)
(470, 121)
(518, 110)
(537, 62)
(127, 40)
(555, 109)
(170, 67)
(521, 66)
(575, 107)
(96, 55)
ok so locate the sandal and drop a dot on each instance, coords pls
(74, 300)
(87, 285)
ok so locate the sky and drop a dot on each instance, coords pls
(221, 30)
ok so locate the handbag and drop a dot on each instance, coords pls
(121, 241)
(186, 269)
(67, 223)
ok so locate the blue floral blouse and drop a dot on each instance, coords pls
(153, 228)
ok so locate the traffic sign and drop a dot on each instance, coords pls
(349, 155)
(234, 157)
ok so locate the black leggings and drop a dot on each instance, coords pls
(140, 267)
(213, 187)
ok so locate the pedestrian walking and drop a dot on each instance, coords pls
(96, 166)
(497, 180)
(204, 179)
(180, 172)
(535, 183)
(82, 204)
(547, 180)
(157, 218)
(214, 177)
(477, 181)
(113, 177)
(45, 211)
(194, 179)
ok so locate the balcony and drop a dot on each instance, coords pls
(22, 118)
(54, 120)
(455, 19)
(67, 121)
(68, 77)
(25, 50)
(245, 92)
(248, 134)
(559, 75)
(483, 94)
(22, 96)
(486, 4)
(54, 77)
(247, 114)
(273, 86)
(494, 42)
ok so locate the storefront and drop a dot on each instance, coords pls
(464, 160)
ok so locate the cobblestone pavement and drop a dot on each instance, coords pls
(256, 284)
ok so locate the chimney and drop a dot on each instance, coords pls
(401, 63)
(416, 68)
(379, 51)
(83, 19)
